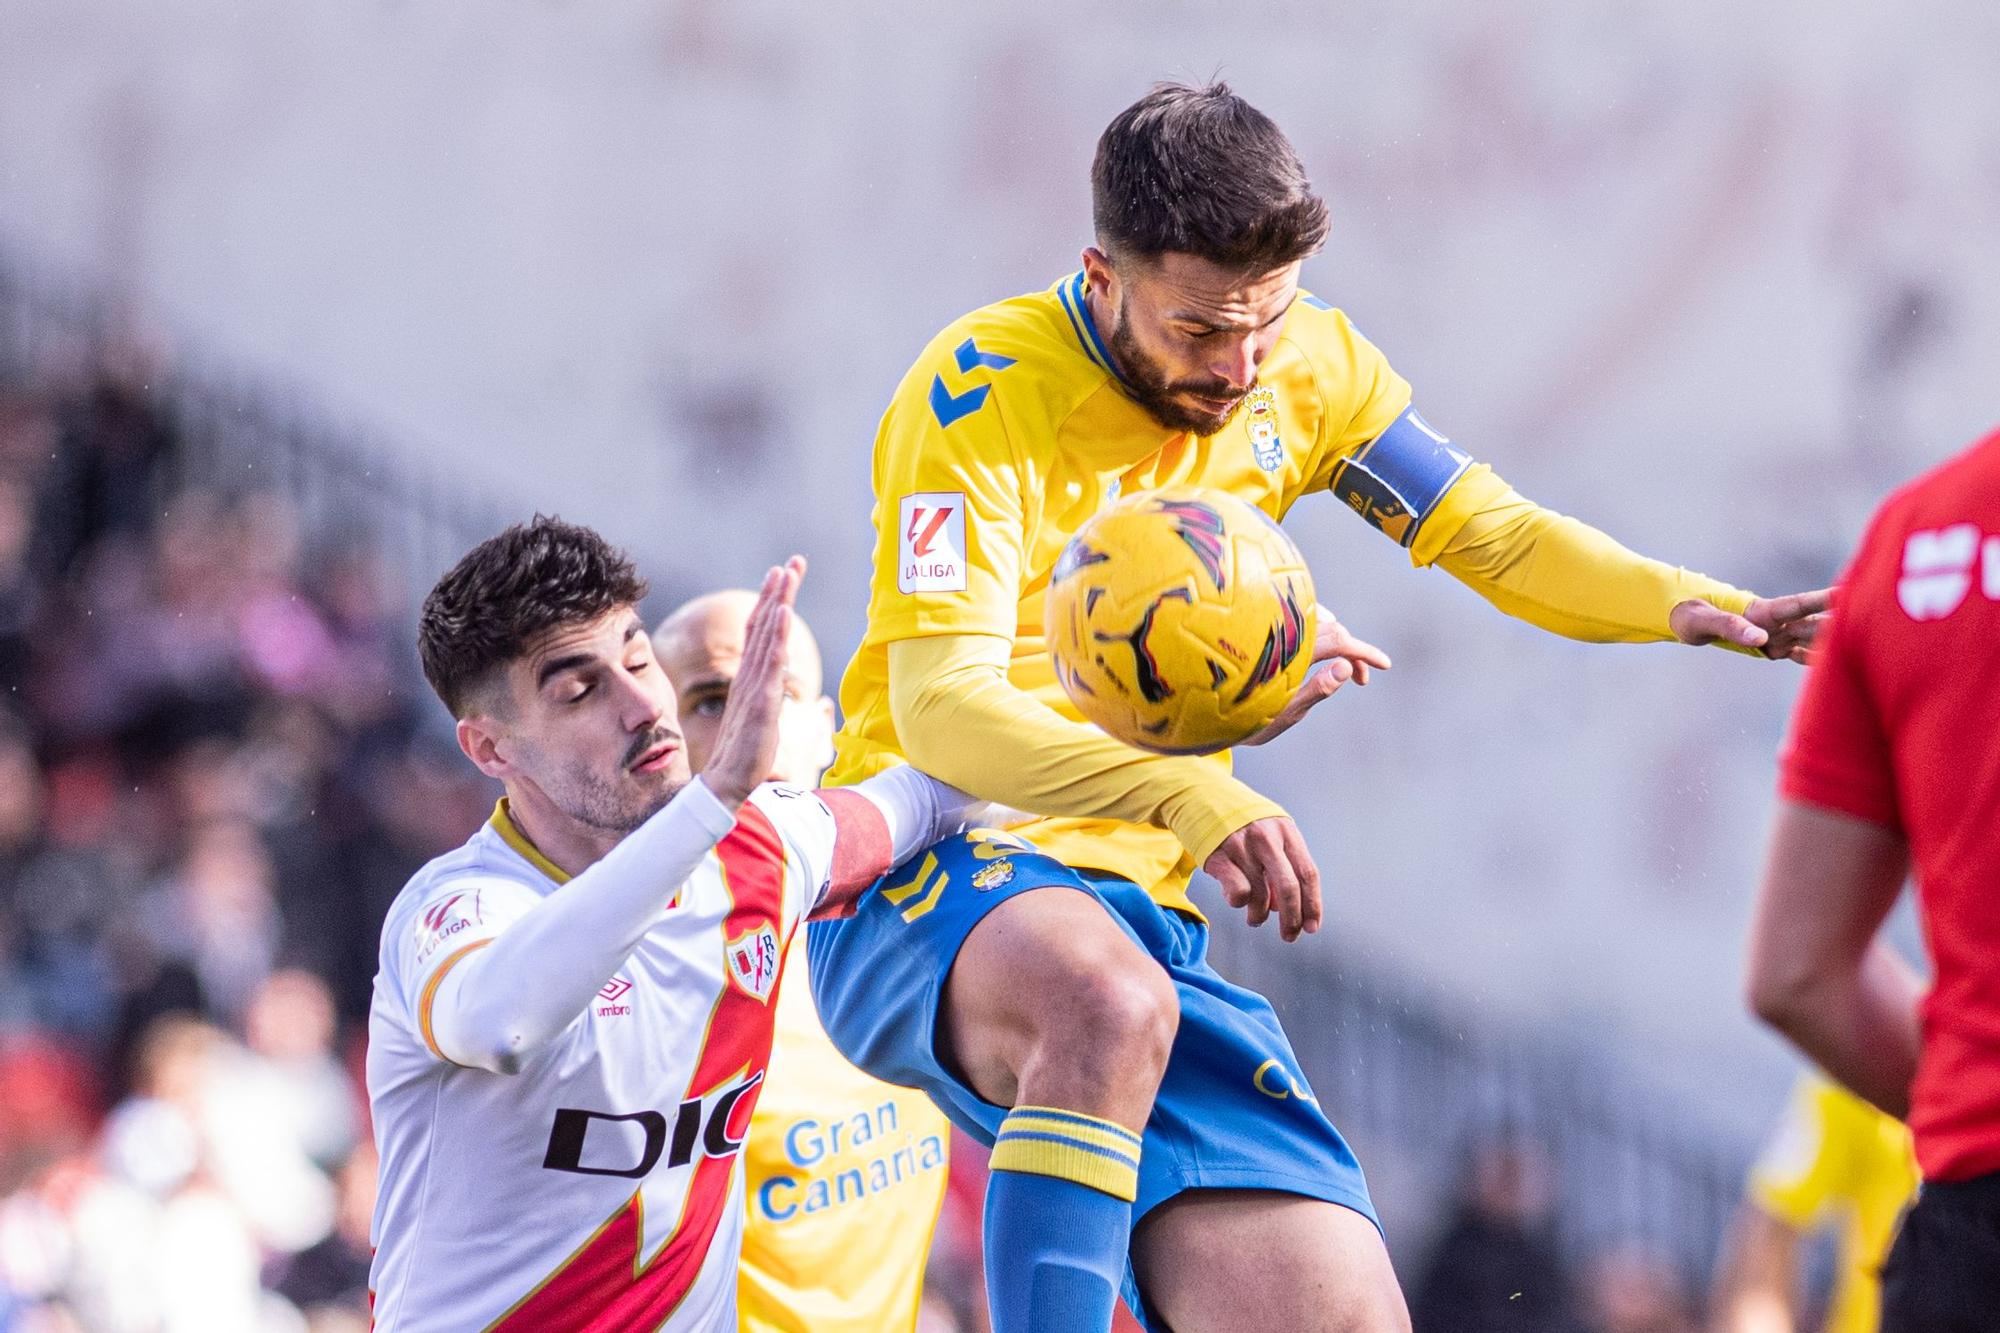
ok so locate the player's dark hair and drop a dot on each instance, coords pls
(509, 590)
(1200, 171)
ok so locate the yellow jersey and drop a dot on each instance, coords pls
(1836, 1161)
(1013, 428)
(843, 1176)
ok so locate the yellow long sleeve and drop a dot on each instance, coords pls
(1562, 574)
(961, 720)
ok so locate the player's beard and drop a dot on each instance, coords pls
(1153, 389)
(624, 800)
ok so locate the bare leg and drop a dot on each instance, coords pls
(1212, 1261)
(1052, 1010)
(1051, 1004)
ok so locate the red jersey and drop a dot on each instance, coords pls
(1899, 724)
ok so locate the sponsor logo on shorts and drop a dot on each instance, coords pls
(1274, 1080)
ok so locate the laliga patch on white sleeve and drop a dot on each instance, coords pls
(931, 550)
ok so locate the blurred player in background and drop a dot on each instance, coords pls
(1833, 1163)
(838, 1164)
(574, 1010)
(1184, 351)
(1894, 759)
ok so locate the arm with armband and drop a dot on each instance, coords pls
(1549, 569)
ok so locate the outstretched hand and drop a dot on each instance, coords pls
(1781, 628)
(1338, 657)
(1265, 868)
(746, 743)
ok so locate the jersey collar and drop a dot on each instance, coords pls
(1071, 291)
(510, 833)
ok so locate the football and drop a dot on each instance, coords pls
(1179, 620)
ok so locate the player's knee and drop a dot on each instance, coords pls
(1121, 1019)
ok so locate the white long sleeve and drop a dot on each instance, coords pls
(882, 822)
(506, 1001)
(917, 808)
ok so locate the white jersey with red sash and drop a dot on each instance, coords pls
(600, 1186)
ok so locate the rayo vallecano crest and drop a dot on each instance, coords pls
(753, 960)
(1260, 417)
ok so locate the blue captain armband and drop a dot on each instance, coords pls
(1397, 479)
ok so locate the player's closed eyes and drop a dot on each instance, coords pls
(1199, 332)
(584, 687)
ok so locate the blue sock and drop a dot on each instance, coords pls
(1058, 1220)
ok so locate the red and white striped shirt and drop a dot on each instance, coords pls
(599, 1186)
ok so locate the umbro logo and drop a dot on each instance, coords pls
(611, 997)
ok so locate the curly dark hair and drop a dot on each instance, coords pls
(1200, 171)
(509, 590)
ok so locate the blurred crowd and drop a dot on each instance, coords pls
(215, 773)
(1495, 1266)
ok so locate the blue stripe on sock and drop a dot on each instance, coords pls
(1089, 1122)
(1007, 1135)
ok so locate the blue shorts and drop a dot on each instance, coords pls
(1233, 1111)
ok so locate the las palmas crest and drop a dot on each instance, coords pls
(992, 875)
(753, 961)
(1260, 416)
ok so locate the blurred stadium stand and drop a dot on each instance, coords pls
(220, 764)
(217, 771)
(60, 337)
(1428, 1096)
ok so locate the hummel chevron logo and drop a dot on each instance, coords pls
(969, 357)
(948, 407)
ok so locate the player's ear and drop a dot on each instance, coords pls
(480, 740)
(1097, 271)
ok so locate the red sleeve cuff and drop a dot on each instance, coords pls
(862, 851)
(1831, 788)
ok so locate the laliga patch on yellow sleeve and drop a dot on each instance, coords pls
(931, 542)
